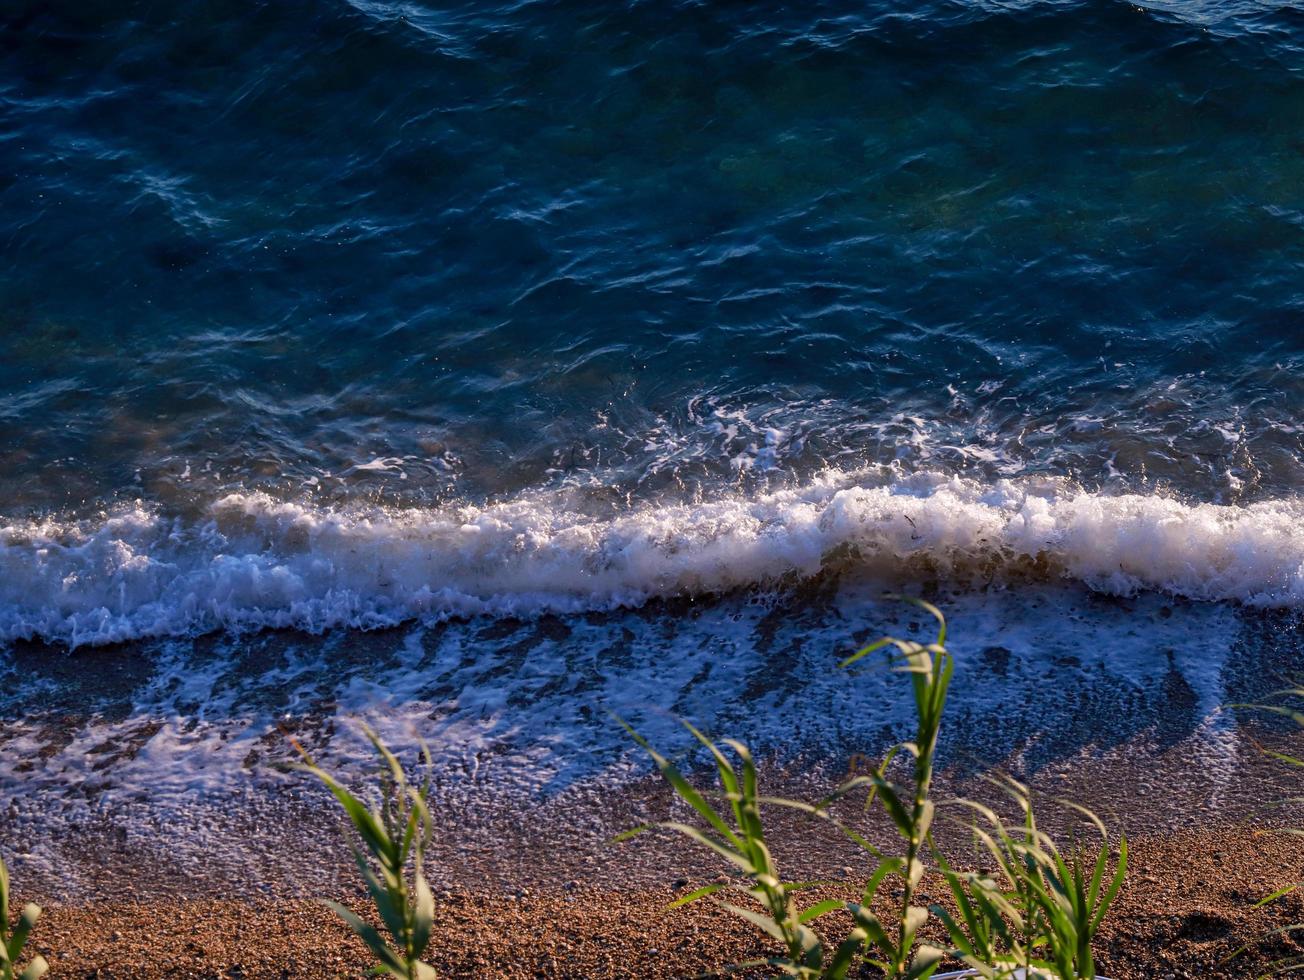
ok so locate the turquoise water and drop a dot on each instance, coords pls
(665, 248)
(346, 314)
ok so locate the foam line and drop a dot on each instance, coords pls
(251, 561)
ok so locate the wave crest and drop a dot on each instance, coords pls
(251, 561)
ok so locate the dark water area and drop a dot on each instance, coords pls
(649, 245)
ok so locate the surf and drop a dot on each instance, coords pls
(249, 561)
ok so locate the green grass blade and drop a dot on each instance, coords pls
(866, 651)
(873, 928)
(368, 934)
(726, 852)
(4, 898)
(1280, 892)
(820, 909)
(885, 867)
(694, 895)
(924, 965)
(681, 786)
(895, 808)
(18, 938)
(847, 953)
(728, 778)
(423, 913)
(1111, 892)
(625, 835)
(388, 757)
(364, 821)
(382, 894)
(762, 922)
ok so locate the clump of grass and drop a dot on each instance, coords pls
(14, 937)
(1289, 703)
(1042, 910)
(1038, 916)
(890, 946)
(741, 841)
(394, 834)
(910, 808)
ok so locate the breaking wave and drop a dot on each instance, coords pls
(249, 561)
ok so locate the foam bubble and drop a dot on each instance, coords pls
(251, 561)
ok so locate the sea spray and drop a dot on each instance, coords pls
(250, 561)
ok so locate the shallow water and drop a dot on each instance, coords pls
(178, 751)
(619, 358)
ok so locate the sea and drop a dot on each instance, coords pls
(483, 370)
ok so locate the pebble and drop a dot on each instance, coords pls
(620, 929)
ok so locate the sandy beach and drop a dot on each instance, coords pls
(543, 892)
(1186, 907)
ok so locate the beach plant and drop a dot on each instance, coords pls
(891, 946)
(910, 808)
(1041, 909)
(738, 836)
(394, 833)
(13, 937)
(1288, 702)
(1036, 915)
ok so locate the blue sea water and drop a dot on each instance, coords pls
(428, 256)
(361, 314)
(507, 244)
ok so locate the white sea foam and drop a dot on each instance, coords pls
(253, 561)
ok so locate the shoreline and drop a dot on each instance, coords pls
(201, 851)
(554, 898)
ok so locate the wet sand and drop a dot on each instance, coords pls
(206, 865)
(545, 893)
